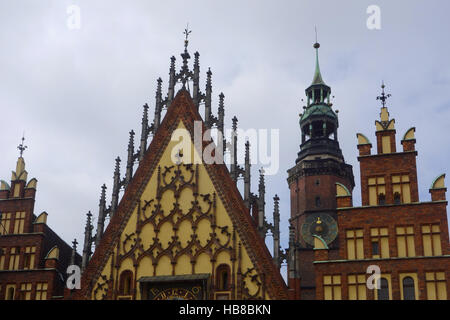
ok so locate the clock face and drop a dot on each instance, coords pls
(177, 294)
(175, 290)
(319, 224)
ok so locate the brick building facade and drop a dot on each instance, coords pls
(152, 249)
(407, 239)
(33, 258)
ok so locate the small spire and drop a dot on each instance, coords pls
(158, 106)
(235, 121)
(171, 90)
(196, 96)
(184, 75)
(261, 186)
(234, 168)
(276, 231)
(317, 75)
(383, 96)
(247, 175)
(87, 241)
(74, 251)
(208, 114)
(21, 146)
(101, 216)
(116, 188)
(144, 133)
(221, 119)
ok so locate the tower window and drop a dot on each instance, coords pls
(377, 186)
(19, 222)
(318, 204)
(401, 189)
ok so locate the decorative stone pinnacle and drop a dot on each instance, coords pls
(74, 244)
(235, 121)
(131, 137)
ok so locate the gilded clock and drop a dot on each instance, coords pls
(319, 224)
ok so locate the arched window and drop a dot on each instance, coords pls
(223, 277)
(408, 289)
(381, 199)
(383, 292)
(397, 198)
(126, 283)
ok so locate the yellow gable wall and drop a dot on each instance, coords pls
(183, 264)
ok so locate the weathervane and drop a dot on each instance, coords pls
(316, 45)
(21, 146)
(383, 96)
(186, 33)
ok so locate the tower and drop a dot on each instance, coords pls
(312, 183)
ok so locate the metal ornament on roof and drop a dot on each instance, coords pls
(383, 96)
(21, 146)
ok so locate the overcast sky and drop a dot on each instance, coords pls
(78, 92)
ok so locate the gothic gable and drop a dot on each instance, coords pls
(181, 223)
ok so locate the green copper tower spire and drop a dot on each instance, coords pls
(318, 122)
(317, 75)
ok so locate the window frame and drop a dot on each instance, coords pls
(335, 285)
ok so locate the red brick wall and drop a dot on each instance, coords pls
(387, 165)
(390, 217)
(390, 266)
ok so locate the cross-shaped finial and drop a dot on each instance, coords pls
(186, 33)
(21, 146)
(74, 242)
(383, 96)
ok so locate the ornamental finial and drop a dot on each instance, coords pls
(186, 33)
(21, 146)
(317, 44)
(383, 96)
